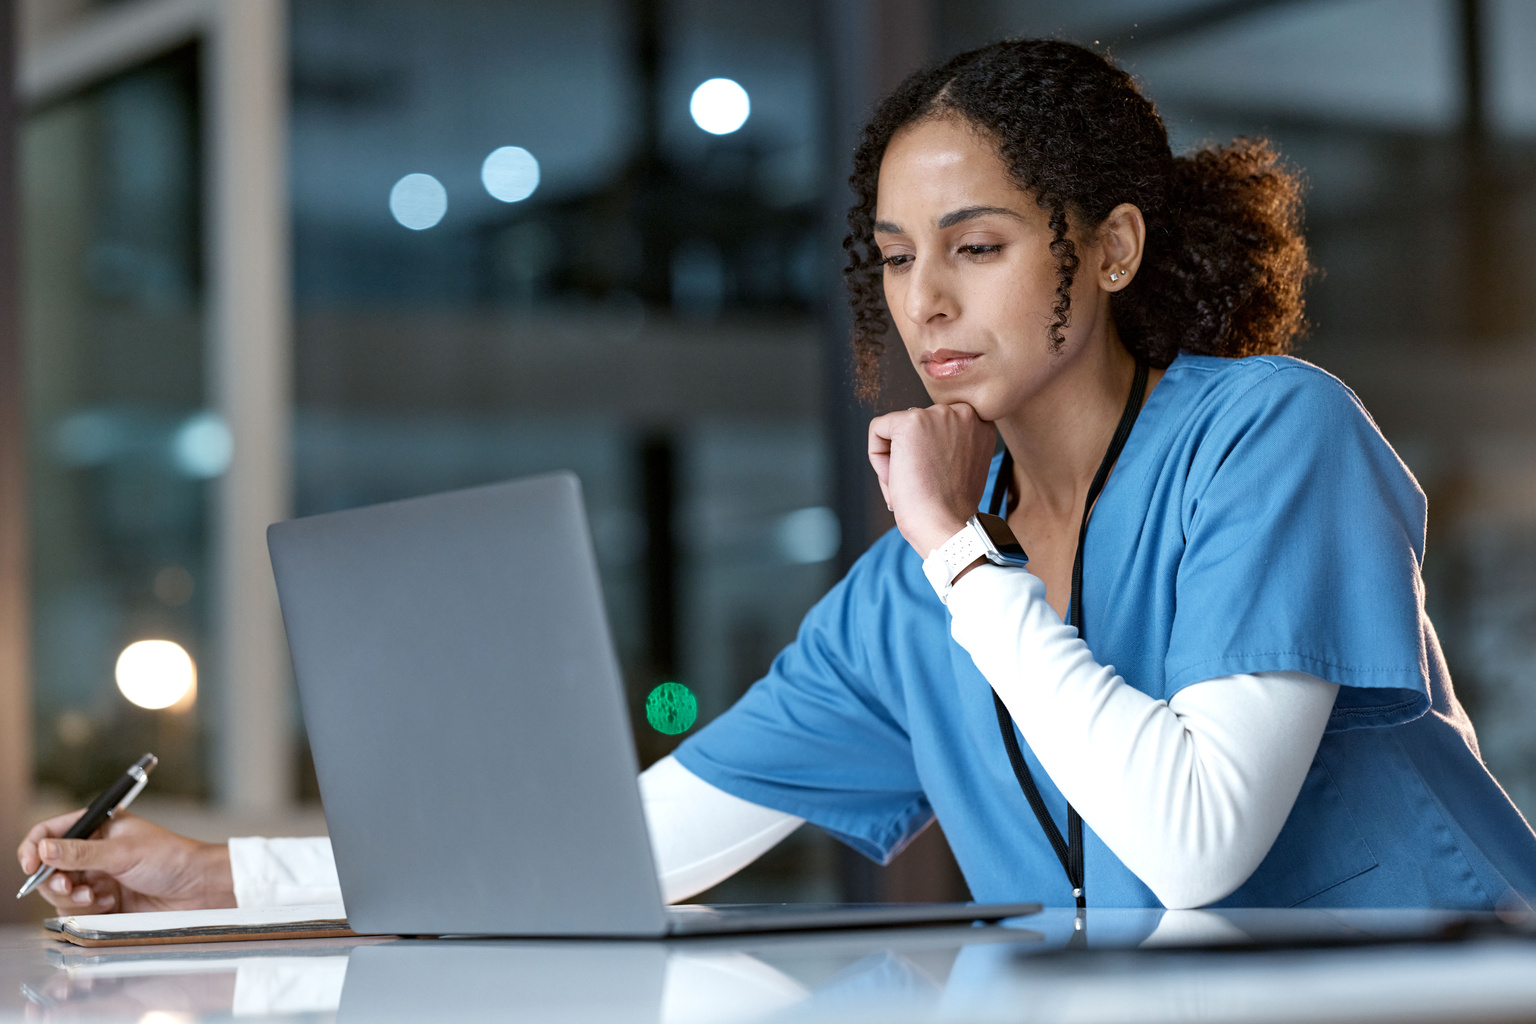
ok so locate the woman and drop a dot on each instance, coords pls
(1249, 706)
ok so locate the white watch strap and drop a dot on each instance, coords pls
(946, 560)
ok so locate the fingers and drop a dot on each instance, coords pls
(885, 491)
(71, 894)
(882, 466)
(26, 853)
(881, 461)
(82, 892)
(61, 890)
(103, 894)
(109, 856)
(71, 891)
(883, 429)
(882, 433)
(880, 430)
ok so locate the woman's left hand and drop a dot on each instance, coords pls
(932, 464)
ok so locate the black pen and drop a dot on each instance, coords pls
(118, 796)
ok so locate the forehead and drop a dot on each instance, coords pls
(944, 163)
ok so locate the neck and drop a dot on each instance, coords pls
(1058, 438)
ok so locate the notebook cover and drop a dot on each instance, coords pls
(173, 927)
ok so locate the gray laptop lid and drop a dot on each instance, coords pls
(467, 715)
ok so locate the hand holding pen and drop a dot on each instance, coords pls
(116, 798)
(131, 865)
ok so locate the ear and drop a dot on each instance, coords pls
(1121, 237)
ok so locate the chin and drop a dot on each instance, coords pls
(973, 394)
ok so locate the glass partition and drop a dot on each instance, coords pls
(581, 236)
(120, 440)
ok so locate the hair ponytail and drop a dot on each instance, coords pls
(1225, 261)
(1227, 279)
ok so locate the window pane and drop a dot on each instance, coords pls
(523, 242)
(121, 443)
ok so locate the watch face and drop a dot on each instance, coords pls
(1002, 538)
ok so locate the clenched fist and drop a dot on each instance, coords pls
(932, 464)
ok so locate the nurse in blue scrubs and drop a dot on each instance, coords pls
(1257, 711)
(1165, 646)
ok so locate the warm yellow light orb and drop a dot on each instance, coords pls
(155, 673)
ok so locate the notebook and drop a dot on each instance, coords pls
(164, 927)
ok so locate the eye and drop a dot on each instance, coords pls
(981, 250)
(897, 261)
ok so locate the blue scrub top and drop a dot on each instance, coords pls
(1257, 521)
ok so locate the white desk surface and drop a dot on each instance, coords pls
(1018, 973)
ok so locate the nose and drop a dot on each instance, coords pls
(929, 297)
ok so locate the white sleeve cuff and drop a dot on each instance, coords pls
(700, 834)
(283, 872)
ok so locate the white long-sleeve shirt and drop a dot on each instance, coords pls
(700, 835)
(1189, 793)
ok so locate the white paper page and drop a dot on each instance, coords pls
(231, 917)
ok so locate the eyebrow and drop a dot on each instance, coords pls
(949, 220)
(952, 218)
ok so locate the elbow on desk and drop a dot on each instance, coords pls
(1197, 882)
(1196, 866)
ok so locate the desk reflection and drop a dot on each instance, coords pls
(1025, 967)
(725, 980)
(136, 984)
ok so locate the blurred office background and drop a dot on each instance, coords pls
(278, 259)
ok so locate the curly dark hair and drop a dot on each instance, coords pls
(1224, 263)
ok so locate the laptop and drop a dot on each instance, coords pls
(469, 726)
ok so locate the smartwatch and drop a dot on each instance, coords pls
(983, 536)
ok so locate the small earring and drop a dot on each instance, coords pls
(1114, 277)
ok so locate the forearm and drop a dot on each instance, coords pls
(700, 836)
(1190, 794)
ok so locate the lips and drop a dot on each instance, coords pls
(946, 363)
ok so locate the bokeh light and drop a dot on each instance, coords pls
(89, 438)
(156, 674)
(74, 729)
(202, 446)
(671, 708)
(809, 535)
(720, 106)
(510, 174)
(418, 201)
(173, 585)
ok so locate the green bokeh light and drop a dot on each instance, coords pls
(671, 708)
